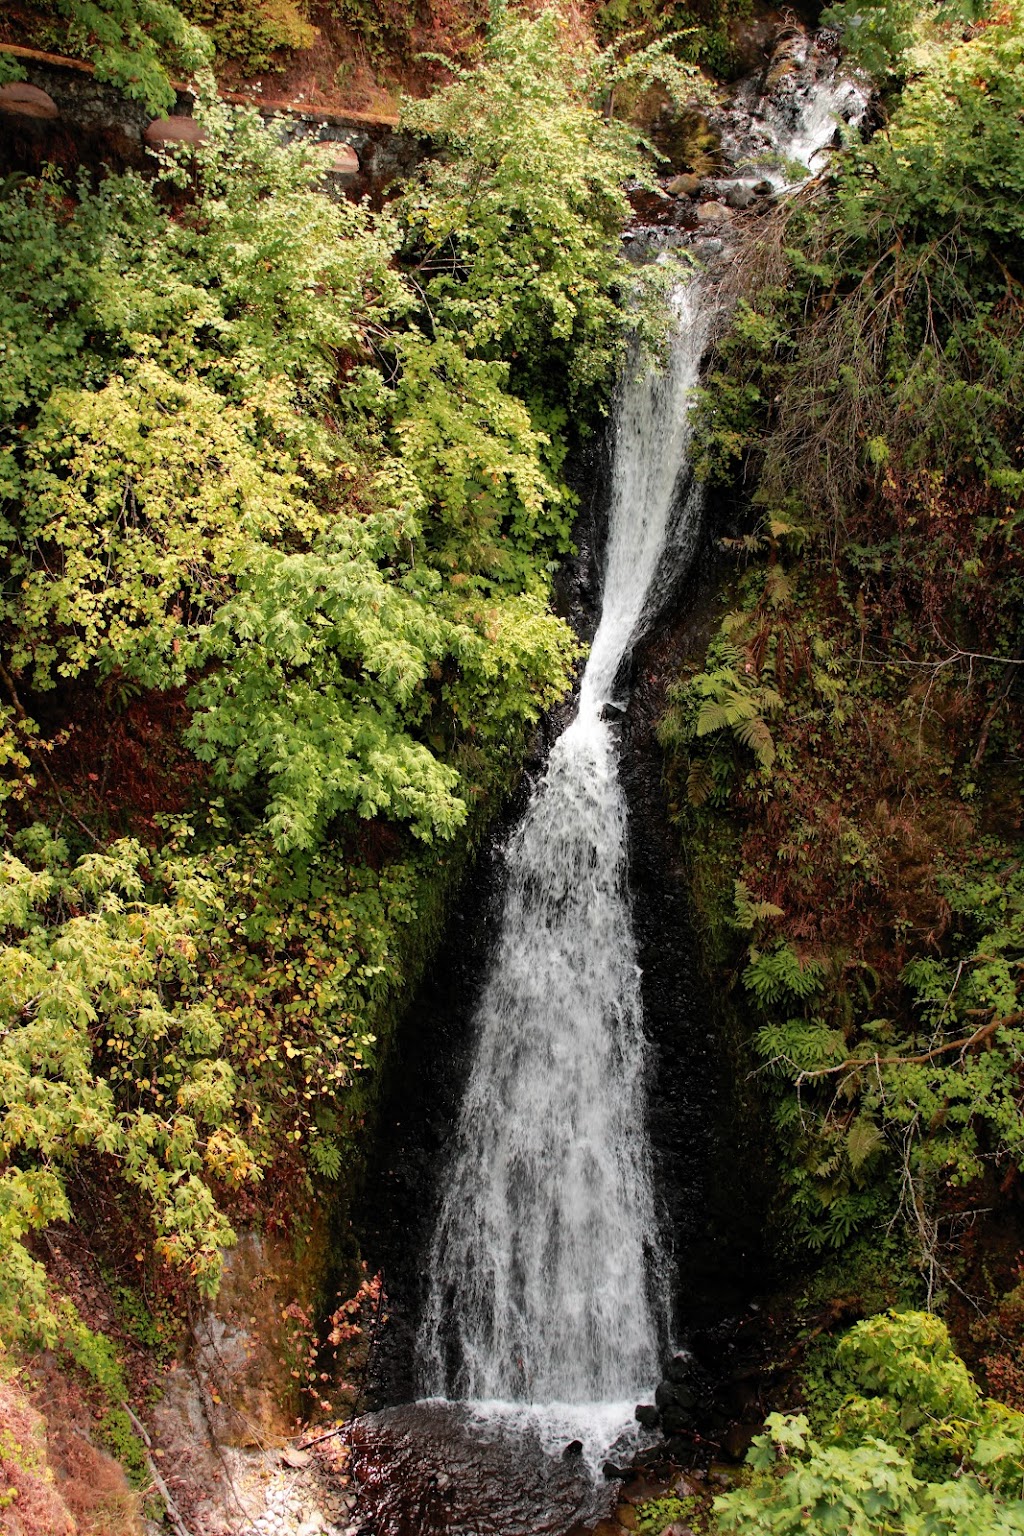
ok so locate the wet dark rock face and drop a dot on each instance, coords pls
(705, 1150)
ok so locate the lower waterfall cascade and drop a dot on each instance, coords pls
(547, 1282)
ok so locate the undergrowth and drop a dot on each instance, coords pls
(847, 751)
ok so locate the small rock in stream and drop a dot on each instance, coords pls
(683, 186)
(740, 197)
(647, 1415)
(686, 1487)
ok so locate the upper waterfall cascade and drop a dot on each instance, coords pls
(547, 1286)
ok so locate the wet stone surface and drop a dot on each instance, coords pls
(427, 1469)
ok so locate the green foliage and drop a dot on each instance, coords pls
(94, 1356)
(928, 173)
(881, 35)
(731, 700)
(11, 68)
(779, 974)
(137, 45)
(253, 33)
(936, 1102)
(869, 394)
(653, 1515)
(269, 465)
(913, 1448)
(885, 339)
(189, 505)
(878, 34)
(306, 958)
(513, 229)
(384, 27)
(698, 30)
(102, 1053)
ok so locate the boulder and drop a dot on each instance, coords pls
(686, 1487)
(714, 213)
(679, 1369)
(19, 99)
(647, 1415)
(666, 1395)
(740, 196)
(679, 1447)
(676, 1420)
(687, 185)
(174, 130)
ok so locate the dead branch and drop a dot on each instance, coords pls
(173, 1512)
(853, 1063)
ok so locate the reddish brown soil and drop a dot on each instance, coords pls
(338, 74)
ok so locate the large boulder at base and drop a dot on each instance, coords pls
(19, 99)
(174, 130)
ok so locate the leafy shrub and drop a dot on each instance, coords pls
(514, 225)
(851, 712)
(252, 32)
(251, 457)
(385, 27)
(101, 1053)
(137, 45)
(653, 1515)
(914, 1448)
(193, 498)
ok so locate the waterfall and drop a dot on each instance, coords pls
(545, 1273)
(547, 1288)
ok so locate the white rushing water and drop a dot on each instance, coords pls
(545, 1272)
(547, 1298)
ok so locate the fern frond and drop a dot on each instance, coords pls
(756, 735)
(699, 783)
(713, 717)
(863, 1141)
